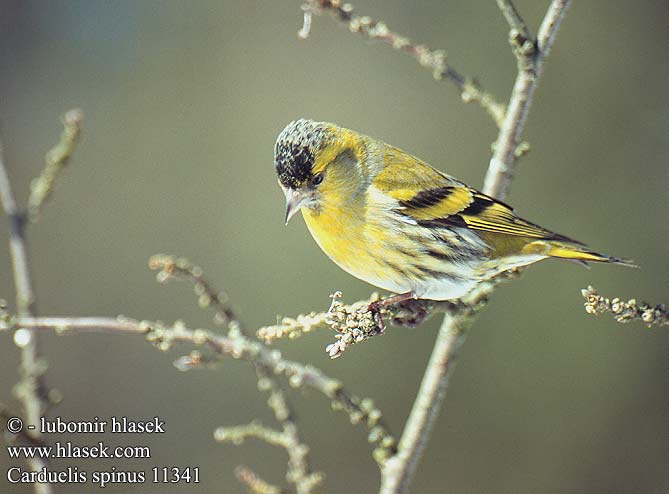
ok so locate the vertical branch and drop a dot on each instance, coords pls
(530, 54)
(398, 469)
(31, 388)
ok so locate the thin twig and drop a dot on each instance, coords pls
(56, 159)
(298, 375)
(435, 60)
(515, 21)
(283, 439)
(173, 267)
(30, 390)
(299, 471)
(625, 311)
(397, 474)
(255, 484)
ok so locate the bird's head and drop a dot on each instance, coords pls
(318, 164)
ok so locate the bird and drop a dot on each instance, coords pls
(395, 222)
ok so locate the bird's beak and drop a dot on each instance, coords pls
(294, 201)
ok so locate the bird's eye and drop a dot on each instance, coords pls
(318, 179)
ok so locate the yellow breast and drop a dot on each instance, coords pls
(361, 248)
(340, 234)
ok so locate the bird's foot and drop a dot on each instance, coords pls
(404, 301)
(409, 313)
(358, 323)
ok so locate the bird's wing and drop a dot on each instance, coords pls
(434, 199)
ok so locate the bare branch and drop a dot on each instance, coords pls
(399, 469)
(173, 267)
(255, 484)
(435, 60)
(427, 404)
(238, 433)
(30, 390)
(502, 164)
(233, 345)
(256, 430)
(42, 187)
(513, 17)
(519, 36)
(298, 471)
(624, 312)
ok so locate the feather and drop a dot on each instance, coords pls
(433, 199)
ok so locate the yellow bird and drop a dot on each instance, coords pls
(394, 221)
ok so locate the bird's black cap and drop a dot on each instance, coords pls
(296, 148)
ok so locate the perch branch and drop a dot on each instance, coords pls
(30, 390)
(56, 159)
(435, 60)
(399, 469)
(353, 323)
(624, 312)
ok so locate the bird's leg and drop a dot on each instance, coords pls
(376, 306)
(410, 313)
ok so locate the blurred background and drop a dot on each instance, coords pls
(183, 101)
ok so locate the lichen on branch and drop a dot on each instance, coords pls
(625, 312)
(56, 159)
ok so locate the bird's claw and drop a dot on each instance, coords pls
(409, 313)
(374, 308)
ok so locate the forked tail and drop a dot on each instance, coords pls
(572, 251)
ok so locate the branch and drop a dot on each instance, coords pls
(255, 484)
(435, 60)
(24, 435)
(519, 36)
(256, 430)
(172, 267)
(624, 312)
(399, 469)
(30, 390)
(530, 64)
(353, 323)
(237, 347)
(56, 159)
(299, 472)
(239, 433)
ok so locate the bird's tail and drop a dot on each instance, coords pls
(572, 251)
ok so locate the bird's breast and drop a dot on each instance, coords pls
(341, 235)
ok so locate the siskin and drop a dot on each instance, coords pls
(394, 221)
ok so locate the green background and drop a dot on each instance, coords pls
(183, 101)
